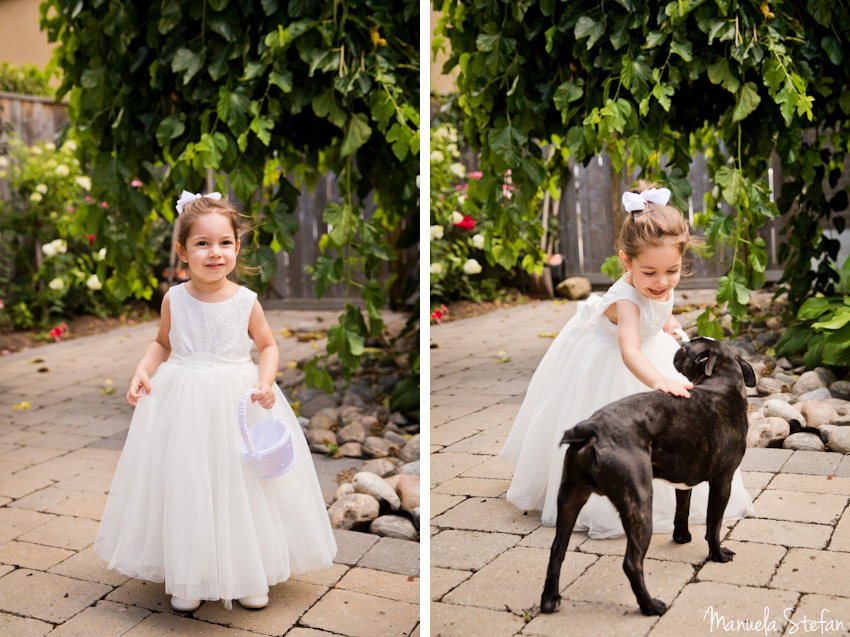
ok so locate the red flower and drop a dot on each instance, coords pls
(71, 209)
(461, 186)
(103, 204)
(56, 332)
(476, 174)
(91, 239)
(88, 199)
(467, 223)
(440, 313)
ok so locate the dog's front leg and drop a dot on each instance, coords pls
(572, 495)
(681, 535)
(718, 497)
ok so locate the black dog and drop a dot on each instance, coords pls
(620, 448)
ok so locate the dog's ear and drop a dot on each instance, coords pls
(709, 367)
(749, 374)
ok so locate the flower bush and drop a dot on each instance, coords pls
(50, 266)
(459, 268)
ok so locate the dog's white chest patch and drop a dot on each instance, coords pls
(677, 485)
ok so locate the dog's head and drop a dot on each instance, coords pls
(702, 357)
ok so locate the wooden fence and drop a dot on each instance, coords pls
(38, 118)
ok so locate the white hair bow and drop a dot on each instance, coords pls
(186, 197)
(634, 201)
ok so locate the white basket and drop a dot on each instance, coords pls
(267, 445)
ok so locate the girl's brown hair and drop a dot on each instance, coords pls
(241, 224)
(653, 226)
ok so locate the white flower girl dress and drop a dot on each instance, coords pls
(581, 372)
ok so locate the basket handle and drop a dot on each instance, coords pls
(243, 427)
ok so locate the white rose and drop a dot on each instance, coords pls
(458, 169)
(42, 188)
(56, 284)
(35, 150)
(70, 145)
(3, 161)
(48, 249)
(437, 156)
(101, 255)
(452, 148)
(62, 170)
(461, 199)
(93, 283)
(440, 133)
(436, 268)
(452, 135)
(83, 182)
(61, 245)
(50, 146)
(478, 241)
(456, 217)
(36, 197)
(472, 267)
(436, 232)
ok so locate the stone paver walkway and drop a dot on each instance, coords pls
(488, 559)
(57, 459)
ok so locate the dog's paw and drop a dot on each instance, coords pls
(721, 555)
(681, 536)
(655, 607)
(550, 604)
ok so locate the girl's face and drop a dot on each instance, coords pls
(211, 249)
(655, 271)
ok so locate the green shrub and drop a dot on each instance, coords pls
(26, 78)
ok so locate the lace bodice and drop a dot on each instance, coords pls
(653, 314)
(210, 332)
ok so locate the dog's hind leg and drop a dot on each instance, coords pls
(681, 535)
(572, 494)
(633, 500)
(718, 497)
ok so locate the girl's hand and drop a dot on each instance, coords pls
(671, 325)
(673, 387)
(265, 397)
(140, 383)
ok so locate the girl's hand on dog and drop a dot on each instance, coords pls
(673, 387)
(672, 325)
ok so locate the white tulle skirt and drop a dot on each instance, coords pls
(185, 509)
(582, 372)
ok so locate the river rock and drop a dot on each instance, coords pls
(374, 447)
(780, 409)
(394, 526)
(346, 488)
(842, 421)
(410, 468)
(804, 442)
(809, 381)
(415, 515)
(784, 363)
(291, 377)
(575, 287)
(817, 413)
(767, 386)
(319, 439)
(840, 389)
(786, 397)
(369, 483)
(398, 418)
(819, 394)
(410, 451)
(784, 378)
(380, 467)
(841, 407)
(352, 399)
(351, 433)
(351, 450)
(325, 419)
(769, 432)
(839, 440)
(370, 424)
(827, 374)
(824, 431)
(408, 489)
(354, 511)
(394, 437)
(350, 414)
(754, 416)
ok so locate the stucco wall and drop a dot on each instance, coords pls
(21, 41)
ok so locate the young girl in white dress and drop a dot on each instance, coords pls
(616, 345)
(184, 508)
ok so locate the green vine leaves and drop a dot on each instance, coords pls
(268, 96)
(653, 85)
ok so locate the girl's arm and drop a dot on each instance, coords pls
(259, 330)
(628, 316)
(156, 354)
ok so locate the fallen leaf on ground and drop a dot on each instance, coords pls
(24, 404)
(547, 334)
(36, 360)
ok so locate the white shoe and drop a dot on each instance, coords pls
(254, 601)
(185, 605)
